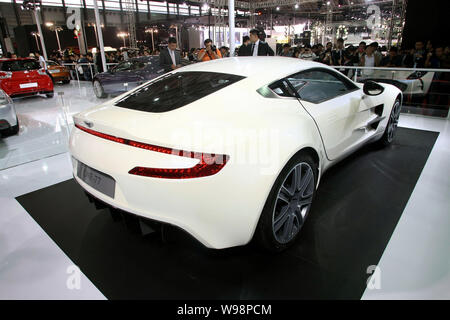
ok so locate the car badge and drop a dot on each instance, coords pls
(89, 124)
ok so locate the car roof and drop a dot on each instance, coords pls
(260, 69)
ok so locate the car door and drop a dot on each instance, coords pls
(140, 70)
(119, 77)
(152, 69)
(336, 104)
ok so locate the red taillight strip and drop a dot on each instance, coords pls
(101, 135)
(209, 164)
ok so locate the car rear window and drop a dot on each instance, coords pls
(176, 90)
(20, 65)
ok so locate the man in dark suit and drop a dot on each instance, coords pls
(244, 50)
(170, 58)
(258, 47)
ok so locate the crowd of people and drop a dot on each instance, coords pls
(423, 55)
(373, 55)
(366, 55)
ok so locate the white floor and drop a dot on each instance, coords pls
(43, 124)
(32, 266)
(415, 264)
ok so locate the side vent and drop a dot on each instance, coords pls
(379, 109)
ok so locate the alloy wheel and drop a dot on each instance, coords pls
(393, 121)
(98, 90)
(293, 202)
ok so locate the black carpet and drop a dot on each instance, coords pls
(357, 207)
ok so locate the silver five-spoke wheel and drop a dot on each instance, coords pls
(393, 121)
(98, 89)
(293, 202)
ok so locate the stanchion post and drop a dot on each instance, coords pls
(38, 23)
(231, 26)
(65, 114)
(99, 34)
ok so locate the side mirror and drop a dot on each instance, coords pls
(371, 88)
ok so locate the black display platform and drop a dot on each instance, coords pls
(357, 207)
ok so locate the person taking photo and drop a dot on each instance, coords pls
(210, 52)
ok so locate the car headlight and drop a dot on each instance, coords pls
(416, 75)
(4, 98)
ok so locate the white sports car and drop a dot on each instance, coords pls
(416, 84)
(229, 149)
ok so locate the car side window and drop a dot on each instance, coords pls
(281, 88)
(319, 85)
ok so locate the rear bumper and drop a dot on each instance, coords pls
(61, 76)
(28, 93)
(12, 87)
(220, 211)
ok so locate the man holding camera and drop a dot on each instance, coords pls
(210, 52)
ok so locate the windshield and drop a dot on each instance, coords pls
(176, 90)
(20, 65)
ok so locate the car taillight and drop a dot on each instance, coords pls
(42, 72)
(208, 165)
(5, 74)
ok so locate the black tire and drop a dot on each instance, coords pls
(265, 234)
(98, 89)
(391, 127)
(14, 129)
(66, 81)
(11, 131)
(49, 95)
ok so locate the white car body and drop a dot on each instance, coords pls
(417, 86)
(222, 210)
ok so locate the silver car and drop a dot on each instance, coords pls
(9, 124)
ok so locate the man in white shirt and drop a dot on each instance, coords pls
(41, 60)
(255, 47)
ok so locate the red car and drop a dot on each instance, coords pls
(24, 76)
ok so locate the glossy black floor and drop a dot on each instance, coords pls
(357, 207)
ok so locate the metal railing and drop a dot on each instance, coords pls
(392, 69)
(426, 91)
(92, 71)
